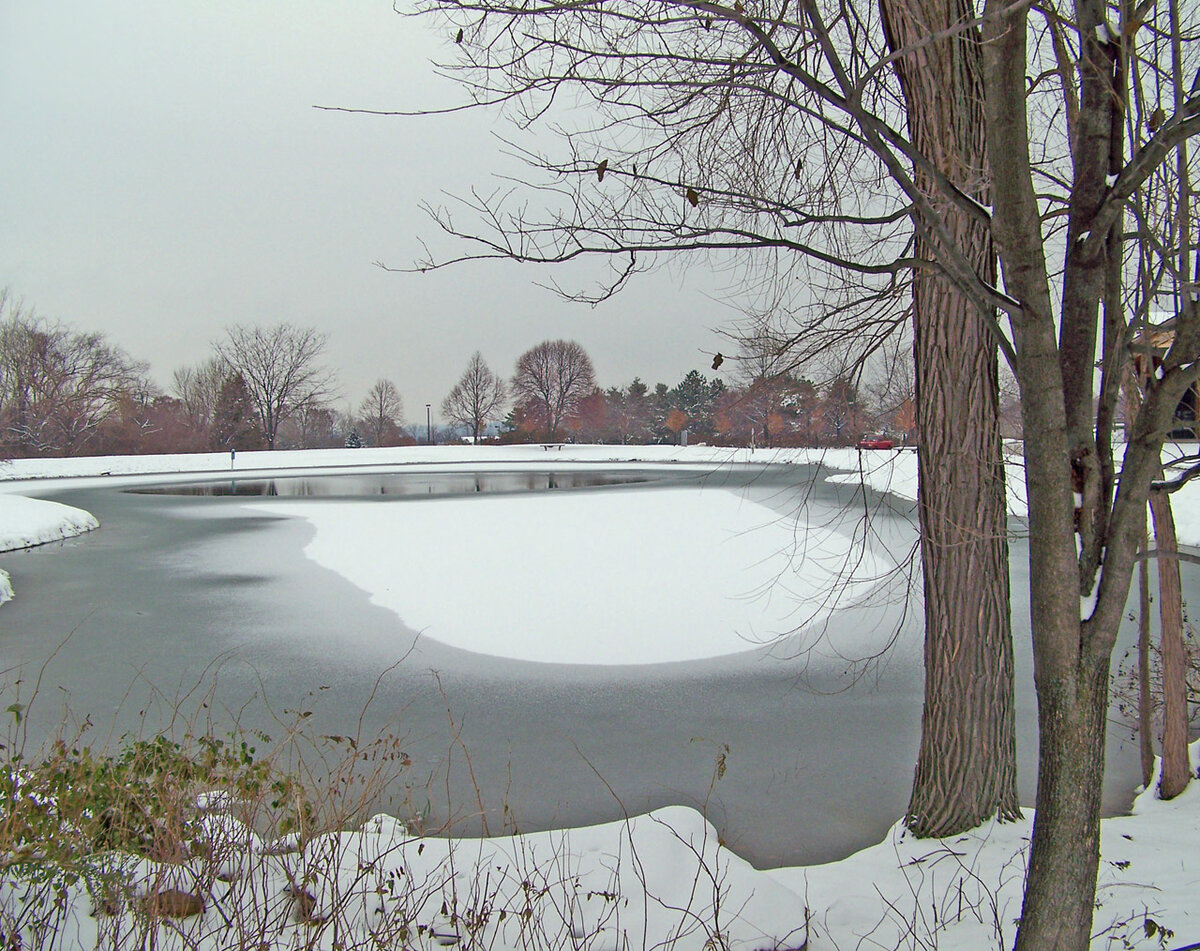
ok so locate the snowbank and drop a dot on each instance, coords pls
(1185, 505)
(895, 474)
(28, 522)
(652, 881)
(886, 471)
(964, 892)
(465, 455)
(657, 880)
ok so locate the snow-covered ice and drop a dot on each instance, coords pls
(714, 573)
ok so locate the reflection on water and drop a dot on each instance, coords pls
(402, 484)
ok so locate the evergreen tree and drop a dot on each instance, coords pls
(235, 425)
(697, 398)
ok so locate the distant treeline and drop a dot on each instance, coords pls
(65, 393)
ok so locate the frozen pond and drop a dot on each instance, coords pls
(179, 590)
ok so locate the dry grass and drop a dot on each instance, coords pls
(182, 839)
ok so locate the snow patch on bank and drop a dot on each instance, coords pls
(895, 474)
(27, 522)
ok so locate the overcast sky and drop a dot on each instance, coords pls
(165, 175)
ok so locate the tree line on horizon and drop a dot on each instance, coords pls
(66, 393)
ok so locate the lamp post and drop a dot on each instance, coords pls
(428, 425)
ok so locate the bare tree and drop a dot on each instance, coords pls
(132, 423)
(1176, 763)
(310, 426)
(774, 404)
(1167, 201)
(551, 379)
(198, 389)
(57, 386)
(477, 397)
(763, 373)
(1084, 532)
(381, 413)
(280, 369)
(819, 76)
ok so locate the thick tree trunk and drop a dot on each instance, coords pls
(966, 765)
(1176, 766)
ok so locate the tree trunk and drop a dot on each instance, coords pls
(1060, 884)
(1071, 656)
(1176, 765)
(1133, 386)
(1071, 679)
(966, 766)
(1145, 701)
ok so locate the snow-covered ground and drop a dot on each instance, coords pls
(659, 880)
(25, 522)
(245, 463)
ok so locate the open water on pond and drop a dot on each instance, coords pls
(410, 485)
(186, 599)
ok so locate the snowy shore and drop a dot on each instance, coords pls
(26, 522)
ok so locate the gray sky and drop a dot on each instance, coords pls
(165, 174)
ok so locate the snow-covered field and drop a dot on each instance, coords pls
(659, 880)
(465, 456)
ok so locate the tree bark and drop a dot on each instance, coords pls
(1176, 765)
(1064, 857)
(966, 765)
(1145, 701)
